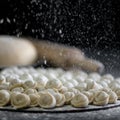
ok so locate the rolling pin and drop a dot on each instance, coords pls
(22, 51)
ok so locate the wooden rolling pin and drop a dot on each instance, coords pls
(20, 51)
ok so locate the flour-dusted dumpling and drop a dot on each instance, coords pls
(2, 79)
(11, 76)
(103, 84)
(82, 74)
(106, 89)
(90, 95)
(63, 80)
(54, 84)
(88, 80)
(15, 83)
(33, 100)
(46, 100)
(60, 98)
(93, 85)
(63, 89)
(94, 76)
(69, 96)
(51, 75)
(108, 76)
(29, 84)
(108, 81)
(117, 91)
(112, 97)
(30, 91)
(118, 80)
(74, 90)
(68, 84)
(41, 80)
(67, 75)
(114, 86)
(94, 91)
(18, 89)
(26, 76)
(80, 100)
(81, 87)
(101, 98)
(51, 90)
(79, 79)
(74, 82)
(4, 86)
(4, 97)
(19, 100)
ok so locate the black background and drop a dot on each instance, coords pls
(81, 23)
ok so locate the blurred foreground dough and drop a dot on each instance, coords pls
(16, 51)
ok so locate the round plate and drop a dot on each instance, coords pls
(66, 108)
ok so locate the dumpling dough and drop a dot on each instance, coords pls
(80, 100)
(82, 86)
(15, 83)
(63, 89)
(33, 100)
(90, 95)
(69, 96)
(95, 76)
(4, 86)
(29, 84)
(74, 90)
(118, 93)
(108, 76)
(41, 80)
(18, 89)
(46, 100)
(4, 97)
(30, 91)
(54, 84)
(25, 76)
(114, 86)
(112, 97)
(101, 98)
(60, 99)
(2, 79)
(93, 85)
(19, 100)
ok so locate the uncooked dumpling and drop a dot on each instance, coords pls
(46, 100)
(80, 100)
(4, 97)
(101, 98)
(19, 100)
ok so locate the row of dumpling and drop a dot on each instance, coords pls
(51, 73)
(69, 78)
(26, 81)
(50, 98)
